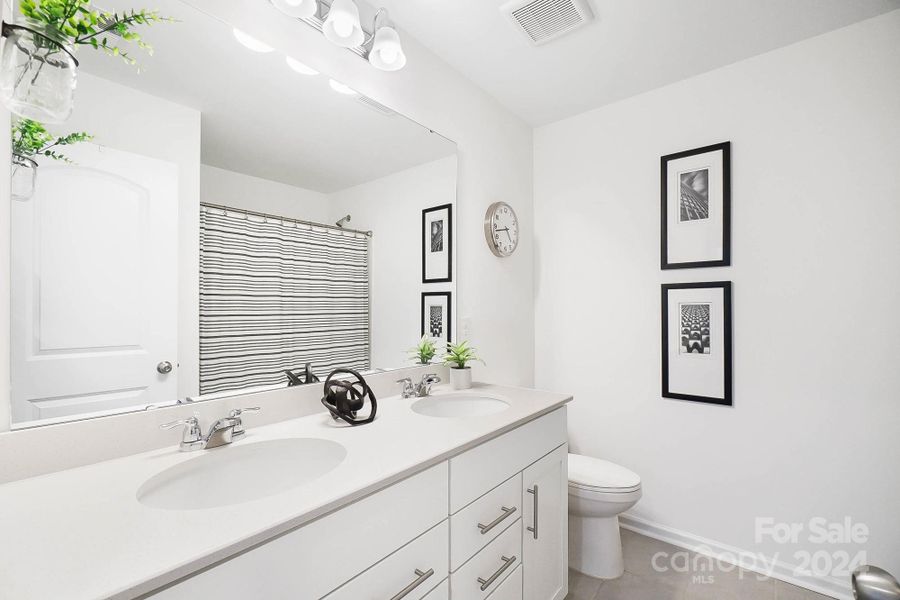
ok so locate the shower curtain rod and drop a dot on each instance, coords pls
(280, 218)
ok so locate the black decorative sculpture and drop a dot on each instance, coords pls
(302, 378)
(345, 398)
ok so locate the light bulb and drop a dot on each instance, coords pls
(387, 53)
(343, 26)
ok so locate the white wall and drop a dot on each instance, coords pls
(228, 188)
(815, 129)
(123, 118)
(392, 208)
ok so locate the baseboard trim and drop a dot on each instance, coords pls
(828, 586)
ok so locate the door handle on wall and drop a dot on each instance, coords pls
(164, 368)
(534, 491)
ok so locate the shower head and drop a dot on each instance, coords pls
(340, 222)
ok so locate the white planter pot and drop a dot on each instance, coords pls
(461, 379)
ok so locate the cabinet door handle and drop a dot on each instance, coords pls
(506, 512)
(507, 563)
(534, 491)
(421, 576)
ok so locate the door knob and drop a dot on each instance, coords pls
(164, 368)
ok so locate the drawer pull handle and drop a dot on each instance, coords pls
(506, 512)
(421, 576)
(507, 563)
(534, 492)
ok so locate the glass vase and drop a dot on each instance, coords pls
(22, 177)
(37, 72)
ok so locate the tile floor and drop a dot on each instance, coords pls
(642, 582)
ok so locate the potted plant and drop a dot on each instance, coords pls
(424, 351)
(31, 139)
(458, 358)
(38, 67)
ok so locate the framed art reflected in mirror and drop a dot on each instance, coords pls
(437, 244)
(436, 317)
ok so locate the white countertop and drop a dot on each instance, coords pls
(82, 534)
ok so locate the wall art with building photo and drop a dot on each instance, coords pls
(437, 244)
(697, 341)
(695, 210)
(436, 317)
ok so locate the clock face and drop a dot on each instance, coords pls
(501, 229)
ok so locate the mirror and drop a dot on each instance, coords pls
(231, 219)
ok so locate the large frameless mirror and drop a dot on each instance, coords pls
(231, 222)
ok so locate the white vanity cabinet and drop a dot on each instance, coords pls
(488, 524)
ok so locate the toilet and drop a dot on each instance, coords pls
(598, 492)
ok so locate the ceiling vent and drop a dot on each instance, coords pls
(545, 20)
(376, 106)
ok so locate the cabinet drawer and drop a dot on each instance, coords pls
(511, 588)
(312, 560)
(489, 567)
(478, 470)
(415, 568)
(441, 592)
(472, 528)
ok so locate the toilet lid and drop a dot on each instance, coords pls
(601, 475)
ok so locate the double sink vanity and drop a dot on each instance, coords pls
(455, 495)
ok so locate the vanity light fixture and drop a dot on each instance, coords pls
(299, 9)
(251, 42)
(339, 22)
(341, 88)
(342, 25)
(299, 67)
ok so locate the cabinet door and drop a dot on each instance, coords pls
(545, 537)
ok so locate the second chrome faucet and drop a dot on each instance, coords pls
(420, 390)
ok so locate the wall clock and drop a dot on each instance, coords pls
(501, 229)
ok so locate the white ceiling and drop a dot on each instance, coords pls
(632, 46)
(260, 118)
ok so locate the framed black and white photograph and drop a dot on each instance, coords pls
(437, 244)
(436, 321)
(696, 341)
(695, 210)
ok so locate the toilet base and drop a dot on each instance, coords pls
(595, 546)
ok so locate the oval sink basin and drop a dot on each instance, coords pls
(241, 472)
(459, 405)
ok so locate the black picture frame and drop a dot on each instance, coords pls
(426, 243)
(727, 400)
(448, 295)
(725, 261)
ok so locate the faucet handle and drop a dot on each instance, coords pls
(189, 422)
(407, 388)
(236, 412)
(191, 437)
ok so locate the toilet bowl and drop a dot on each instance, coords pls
(599, 491)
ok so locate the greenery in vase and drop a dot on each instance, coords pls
(83, 25)
(424, 351)
(30, 138)
(459, 355)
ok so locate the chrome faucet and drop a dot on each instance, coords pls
(222, 432)
(420, 390)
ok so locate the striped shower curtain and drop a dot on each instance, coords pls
(276, 294)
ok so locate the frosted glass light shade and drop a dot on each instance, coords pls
(387, 53)
(300, 9)
(342, 26)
